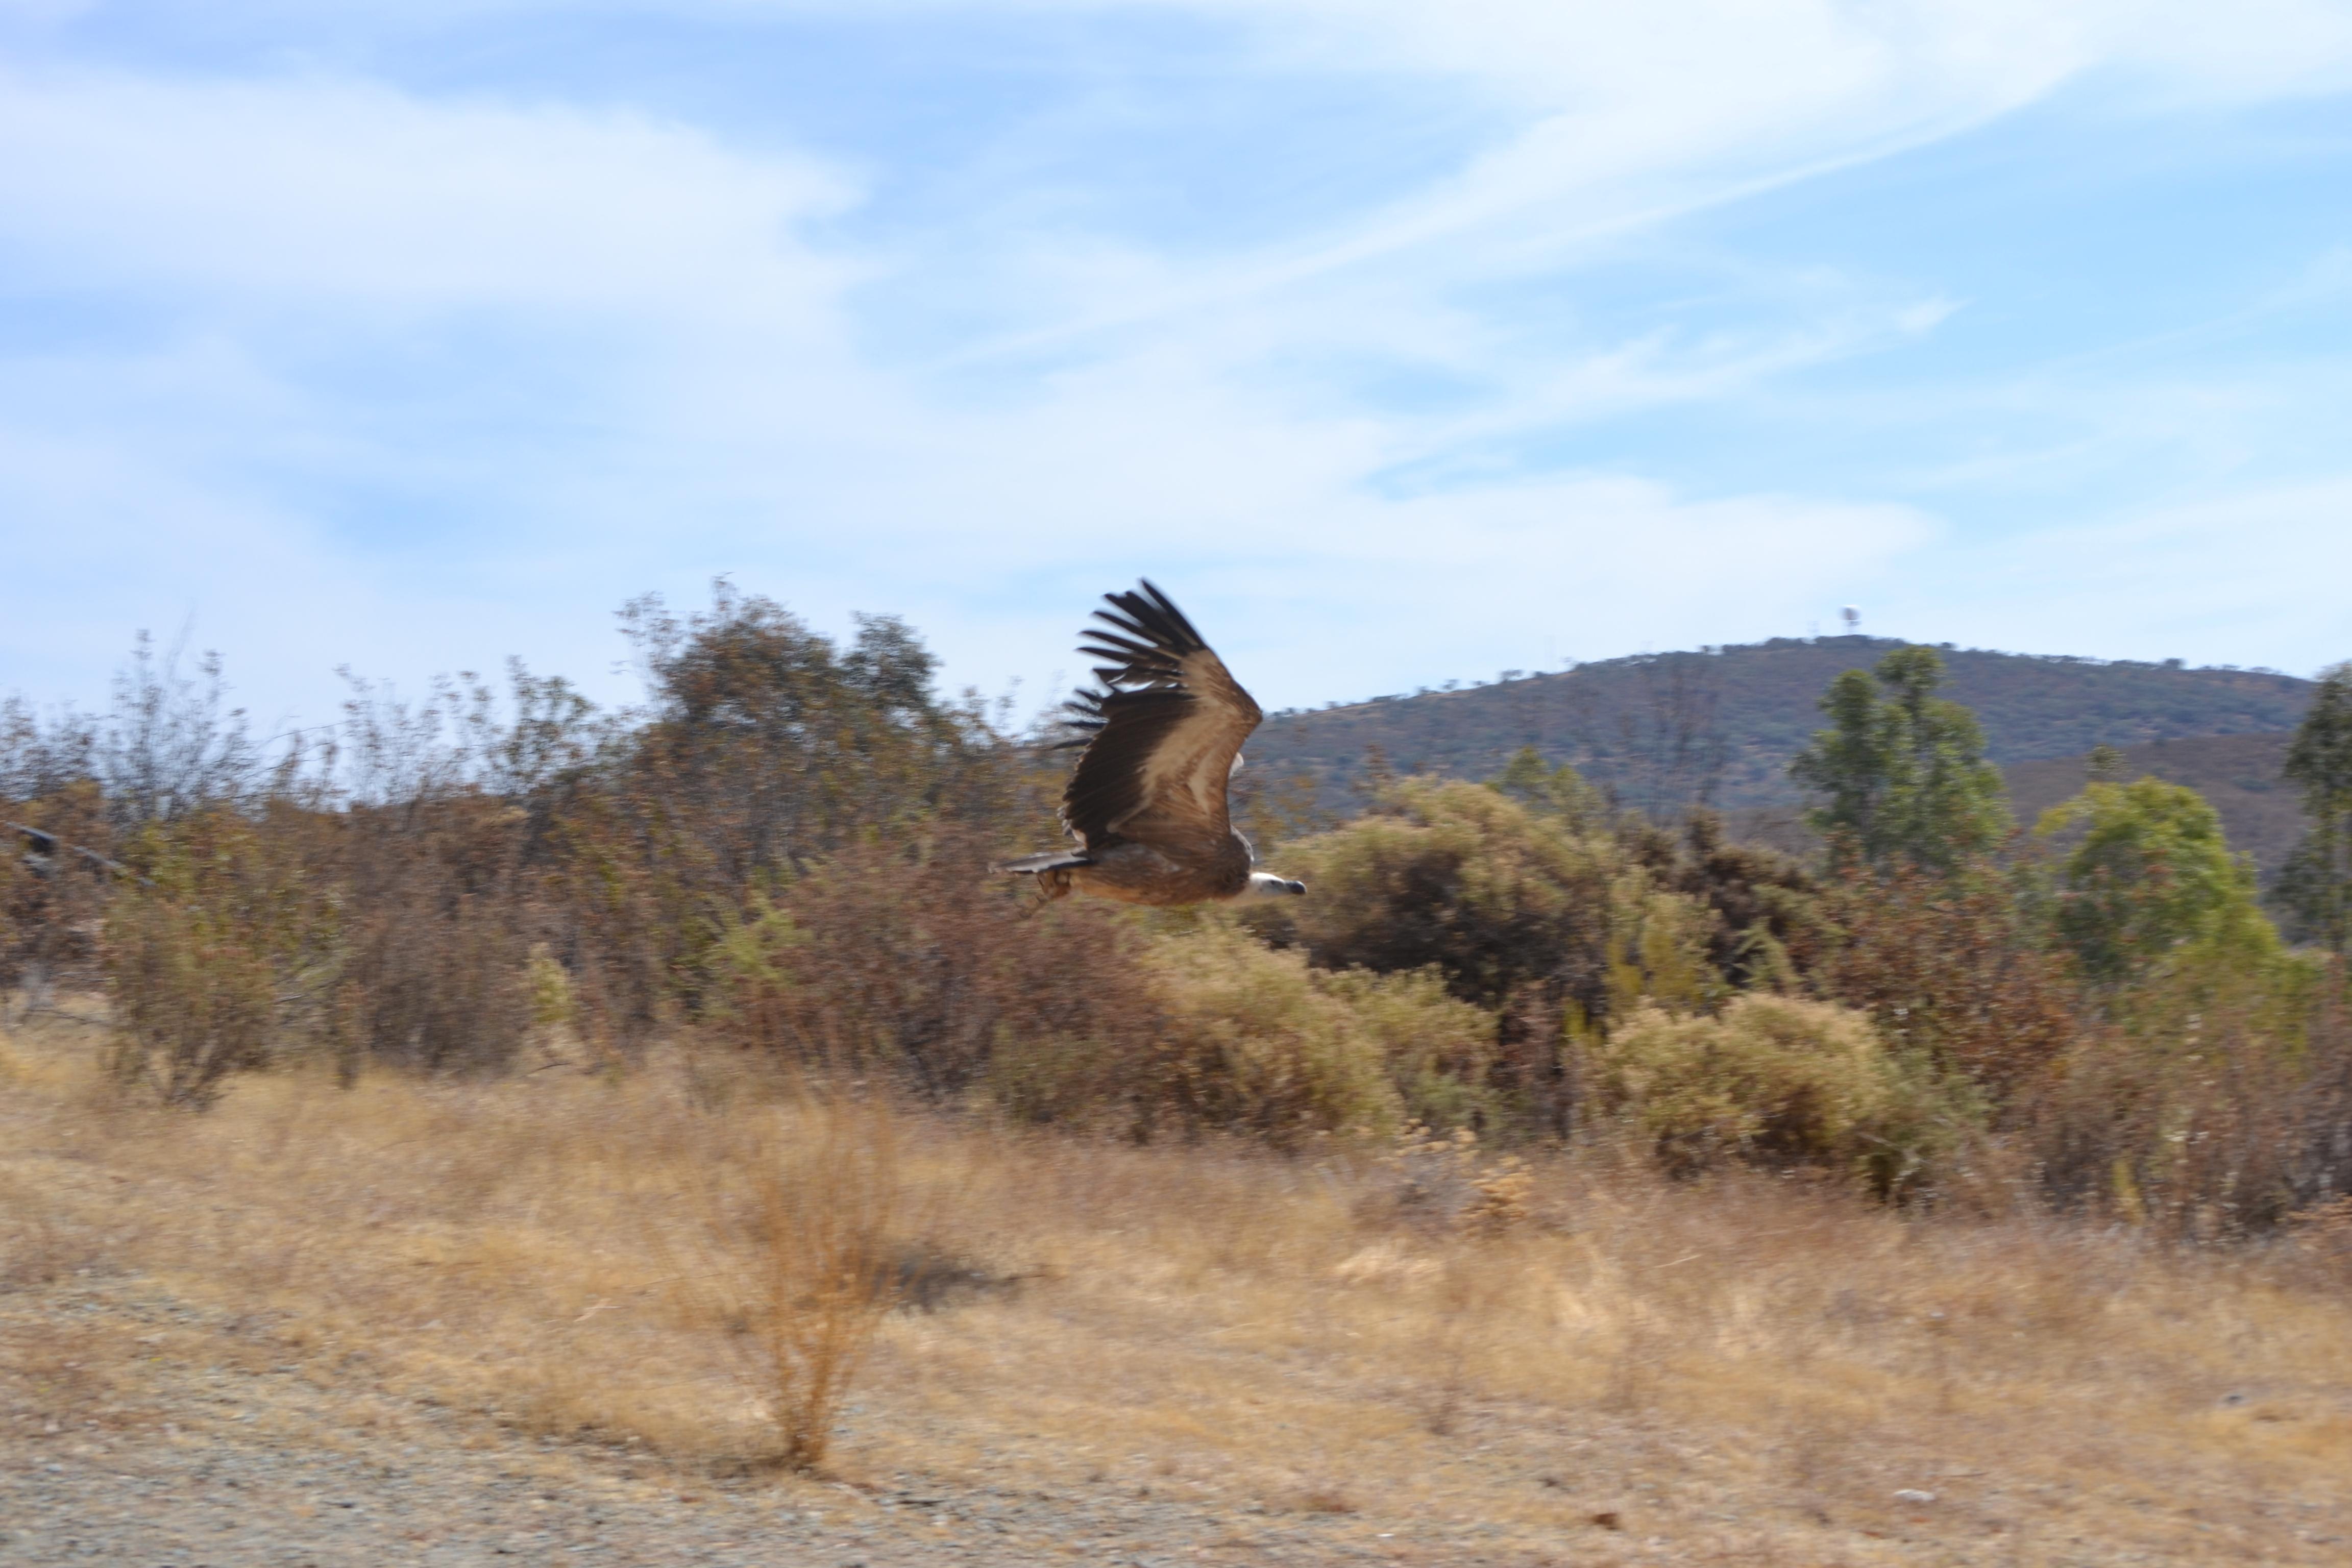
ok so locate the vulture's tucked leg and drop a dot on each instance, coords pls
(1052, 884)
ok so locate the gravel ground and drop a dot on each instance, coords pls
(138, 1430)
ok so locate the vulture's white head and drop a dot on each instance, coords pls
(1266, 885)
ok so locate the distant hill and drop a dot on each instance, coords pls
(2261, 812)
(1662, 728)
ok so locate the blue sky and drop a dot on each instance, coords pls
(1401, 343)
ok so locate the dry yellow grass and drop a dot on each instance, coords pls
(1746, 1370)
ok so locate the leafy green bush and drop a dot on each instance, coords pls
(1658, 949)
(1780, 1080)
(1456, 876)
(2150, 880)
(1770, 923)
(1255, 1039)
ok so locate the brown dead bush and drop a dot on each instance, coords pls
(1955, 968)
(915, 960)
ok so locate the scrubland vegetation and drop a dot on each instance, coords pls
(1658, 727)
(645, 1076)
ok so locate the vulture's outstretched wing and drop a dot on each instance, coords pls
(1164, 731)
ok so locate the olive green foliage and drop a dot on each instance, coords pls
(1559, 791)
(1769, 922)
(1781, 1080)
(1255, 1039)
(209, 956)
(2151, 881)
(1902, 771)
(1658, 949)
(1456, 876)
(781, 741)
(2315, 884)
(1537, 901)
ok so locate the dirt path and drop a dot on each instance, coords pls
(142, 1430)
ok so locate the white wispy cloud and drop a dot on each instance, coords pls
(387, 373)
(288, 191)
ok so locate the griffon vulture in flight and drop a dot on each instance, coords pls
(1162, 734)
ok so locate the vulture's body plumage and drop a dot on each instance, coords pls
(1162, 734)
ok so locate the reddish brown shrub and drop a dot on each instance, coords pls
(1951, 966)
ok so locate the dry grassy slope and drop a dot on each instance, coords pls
(2239, 774)
(473, 1295)
(1764, 697)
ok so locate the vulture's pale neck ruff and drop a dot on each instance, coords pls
(1266, 885)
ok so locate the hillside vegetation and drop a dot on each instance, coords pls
(1661, 731)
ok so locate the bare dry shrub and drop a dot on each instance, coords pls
(194, 1002)
(2325, 1230)
(439, 923)
(794, 1246)
(2206, 1124)
(913, 959)
(1448, 1181)
(398, 935)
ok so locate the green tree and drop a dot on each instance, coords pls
(2315, 884)
(1559, 791)
(1902, 770)
(2151, 877)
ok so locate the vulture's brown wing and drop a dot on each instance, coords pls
(1165, 728)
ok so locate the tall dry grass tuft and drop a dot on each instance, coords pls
(793, 1247)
